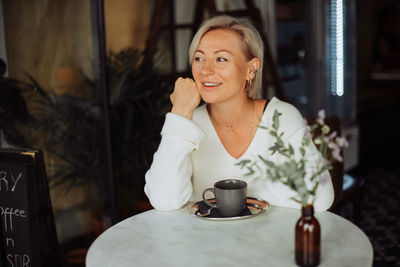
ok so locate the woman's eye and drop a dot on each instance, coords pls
(221, 59)
(198, 59)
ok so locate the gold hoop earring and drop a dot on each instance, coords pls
(249, 82)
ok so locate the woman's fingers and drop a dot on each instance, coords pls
(185, 97)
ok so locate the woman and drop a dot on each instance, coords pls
(200, 145)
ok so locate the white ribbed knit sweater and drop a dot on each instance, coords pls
(191, 158)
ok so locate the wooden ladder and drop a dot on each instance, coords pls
(161, 7)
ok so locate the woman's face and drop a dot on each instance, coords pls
(220, 67)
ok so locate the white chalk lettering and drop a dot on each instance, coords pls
(3, 179)
(15, 180)
(10, 259)
(7, 179)
(26, 260)
(9, 241)
(18, 260)
(7, 214)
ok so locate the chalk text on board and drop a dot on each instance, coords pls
(18, 260)
(8, 181)
(8, 214)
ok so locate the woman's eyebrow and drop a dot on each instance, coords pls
(218, 51)
(222, 50)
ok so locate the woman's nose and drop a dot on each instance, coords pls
(208, 68)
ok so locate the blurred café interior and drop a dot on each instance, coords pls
(88, 83)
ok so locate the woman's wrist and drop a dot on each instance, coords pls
(184, 113)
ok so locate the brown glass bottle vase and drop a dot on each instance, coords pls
(307, 238)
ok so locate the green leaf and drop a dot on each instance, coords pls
(280, 141)
(302, 151)
(250, 171)
(283, 152)
(313, 127)
(273, 133)
(295, 199)
(267, 162)
(274, 148)
(306, 141)
(243, 163)
(275, 120)
(291, 151)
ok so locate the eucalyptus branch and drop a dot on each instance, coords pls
(292, 172)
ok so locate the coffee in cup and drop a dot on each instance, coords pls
(230, 196)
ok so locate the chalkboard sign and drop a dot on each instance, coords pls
(27, 221)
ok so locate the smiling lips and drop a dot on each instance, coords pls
(210, 84)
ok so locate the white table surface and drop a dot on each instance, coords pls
(176, 238)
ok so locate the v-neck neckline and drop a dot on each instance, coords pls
(211, 125)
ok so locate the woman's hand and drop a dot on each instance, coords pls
(185, 97)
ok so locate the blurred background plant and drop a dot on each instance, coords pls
(68, 126)
(139, 101)
(13, 108)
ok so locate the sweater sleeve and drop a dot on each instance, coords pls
(168, 181)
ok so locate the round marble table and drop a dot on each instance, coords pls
(176, 238)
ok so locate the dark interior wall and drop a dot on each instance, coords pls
(378, 101)
(366, 27)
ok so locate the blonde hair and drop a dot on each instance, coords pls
(253, 46)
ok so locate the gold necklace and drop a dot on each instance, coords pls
(229, 127)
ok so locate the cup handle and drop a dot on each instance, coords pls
(204, 197)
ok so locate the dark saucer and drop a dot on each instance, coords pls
(254, 206)
(204, 208)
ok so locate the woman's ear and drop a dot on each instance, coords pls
(254, 66)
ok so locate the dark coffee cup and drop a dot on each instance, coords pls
(230, 196)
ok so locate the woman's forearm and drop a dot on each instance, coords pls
(168, 181)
